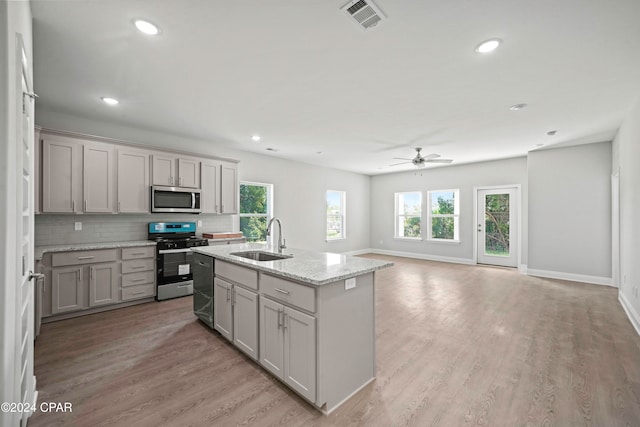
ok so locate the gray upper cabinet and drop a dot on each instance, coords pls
(163, 170)
(133, 181)
(210, 196)
(219, 187)
(175, 171)
(98, 180)
(229, 188)
(77, 175)
(83, 175)
(188, 173)
(61, 174)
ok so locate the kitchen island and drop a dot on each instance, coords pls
(306, 317)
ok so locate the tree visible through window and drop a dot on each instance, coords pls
(408, 215)
(255, 210)
(335, 215)
(444, 209)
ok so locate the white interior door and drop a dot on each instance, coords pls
(24, 241)
(497, 226)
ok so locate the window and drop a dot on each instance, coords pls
(408, 215)
(336, 215)
(444, 210)
(255, 210)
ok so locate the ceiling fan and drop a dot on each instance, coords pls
(420, 161)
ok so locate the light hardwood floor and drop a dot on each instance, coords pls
(456, 345)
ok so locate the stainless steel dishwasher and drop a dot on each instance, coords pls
(203, 288)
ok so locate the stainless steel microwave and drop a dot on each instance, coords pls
(175, 199)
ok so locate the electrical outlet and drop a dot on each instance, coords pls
(77, 226)
(199, 223)
(349, 283)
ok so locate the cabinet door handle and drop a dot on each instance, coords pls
(137, 280)
(284, 319)
(73, 205)
(137, 266)
(279, 321)
(138, 292)
(85, 205)
(282, 291)
(118, 206)
(228, 299)
(138, 253)
(86, 257)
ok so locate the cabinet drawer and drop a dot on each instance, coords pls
(237, 274)
(135, 279)
(288, 292)
(138, 265)
(83, 257)
(140, 252)
(141, 291)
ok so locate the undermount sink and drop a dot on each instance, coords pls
(261, 255)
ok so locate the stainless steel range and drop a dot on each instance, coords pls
(174, 257)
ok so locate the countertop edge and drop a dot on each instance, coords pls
(39, 251)
(304, 279)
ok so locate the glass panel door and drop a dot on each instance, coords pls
(497, 227)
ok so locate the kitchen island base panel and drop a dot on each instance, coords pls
(346, 340)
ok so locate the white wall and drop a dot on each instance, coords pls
(299, 189)
(463, 177)
(627, 148)
(15, 18)
(570, 212)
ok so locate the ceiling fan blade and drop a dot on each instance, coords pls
(403, 163)
(401, 158)
(438, 160)
(432, 156)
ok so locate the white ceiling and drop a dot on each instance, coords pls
(307, 79)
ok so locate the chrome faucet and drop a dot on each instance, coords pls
(281, 242)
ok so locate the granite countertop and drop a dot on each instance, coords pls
(316, 268)
(39, 251)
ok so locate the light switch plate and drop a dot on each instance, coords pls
(199, 223)
(77, 226)
(349, 283)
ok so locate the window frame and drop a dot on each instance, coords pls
(455, 216)
(397, 215)
(268, 215)
(343, 216)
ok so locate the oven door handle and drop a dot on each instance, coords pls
(174, 251)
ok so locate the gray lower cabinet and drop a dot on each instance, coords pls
(76, 281)
(67, 289)
(245, 321)
(288, 346)
(236, 315)
(223, 309)
(103, 284)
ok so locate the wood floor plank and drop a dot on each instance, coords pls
(456, 345)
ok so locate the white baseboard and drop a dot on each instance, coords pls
(422, 256)
(596, 280)
(522, 268)
(359, 252)
(632, 314)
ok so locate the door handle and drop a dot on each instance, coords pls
(36, 276)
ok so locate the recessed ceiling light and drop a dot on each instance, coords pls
(319, 153)
(256, 138)
(109, 101)
(146, 27)
(488, 45)
(517, 107)
(552, 132)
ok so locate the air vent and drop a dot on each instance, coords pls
(365, 13)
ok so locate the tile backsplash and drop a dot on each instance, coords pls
(60, 229)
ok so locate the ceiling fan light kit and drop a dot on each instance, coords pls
(420, 161)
